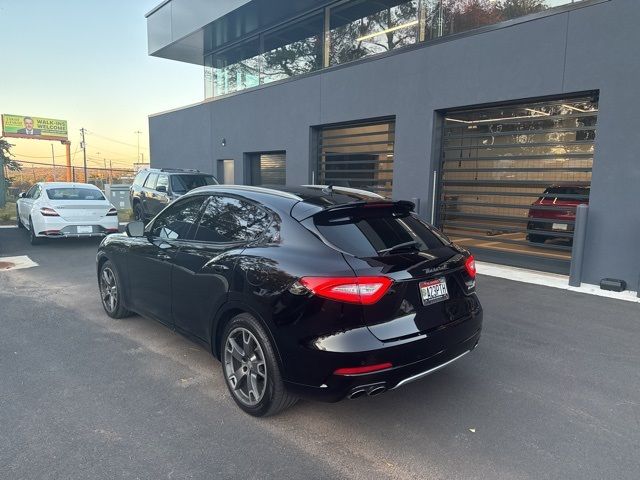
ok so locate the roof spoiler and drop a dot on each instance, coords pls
(301, 210)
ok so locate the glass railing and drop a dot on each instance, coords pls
(351, 30)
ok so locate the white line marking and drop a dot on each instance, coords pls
(552, 280)
(8, 226)
(17, 263)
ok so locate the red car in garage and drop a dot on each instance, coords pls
(553, 215)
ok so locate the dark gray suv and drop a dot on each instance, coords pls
(155, 188)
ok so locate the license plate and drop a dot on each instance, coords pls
(85, 229)
(560, 226)
(433, 291)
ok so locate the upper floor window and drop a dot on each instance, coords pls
(350, 30)
(362, 27)
(293, 50)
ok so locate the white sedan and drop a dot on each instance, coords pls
(65, 209)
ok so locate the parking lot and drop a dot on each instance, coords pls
(551, 392)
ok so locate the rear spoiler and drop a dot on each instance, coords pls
(301, 210)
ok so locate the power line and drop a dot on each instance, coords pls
(114, 140)
(113, 153)
(31, 156)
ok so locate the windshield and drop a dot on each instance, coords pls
(185, 183)
(74, 193)
(566, 191)
(367, 233)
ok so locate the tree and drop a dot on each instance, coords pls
(517, 8)
(6, 164)
(5, 155)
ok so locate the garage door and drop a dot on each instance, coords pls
(512, 177)
(268, 168)
(357, 155)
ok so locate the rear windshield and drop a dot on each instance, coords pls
(74, 193)
(185, 183)
(368, 232)
(566, 191)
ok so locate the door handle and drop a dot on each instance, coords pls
(220, 268)
(163, 256)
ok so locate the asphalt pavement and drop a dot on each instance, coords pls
(552, 392)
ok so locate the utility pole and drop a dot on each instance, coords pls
(67, 147)
(84, 152)
(138, 132)
(3, 185)
(53, 161)
(110, 172)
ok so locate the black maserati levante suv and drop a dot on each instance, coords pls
(312, 292)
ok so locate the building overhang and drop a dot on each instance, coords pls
(185, 30)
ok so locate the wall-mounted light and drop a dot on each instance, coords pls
(224, 142)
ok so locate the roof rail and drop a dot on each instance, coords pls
(250, 188)
(193, 170)
(346, 189)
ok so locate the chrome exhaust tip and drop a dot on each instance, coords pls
(357, 393)
(376, 391)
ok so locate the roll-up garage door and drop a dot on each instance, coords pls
(268, 168)
(512, 177)
(357, 155)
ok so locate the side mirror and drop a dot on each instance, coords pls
(161, 188)
(135, 229)
(22, 194)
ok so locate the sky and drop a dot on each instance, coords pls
(85, 61)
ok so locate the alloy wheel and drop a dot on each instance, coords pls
(109, 289)
(245, 366)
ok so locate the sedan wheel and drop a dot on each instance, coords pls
(251, 369)
(18, 221)
(33, 238)
(137, 213)
(110, 291)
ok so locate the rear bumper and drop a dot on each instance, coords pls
(54, 227)
(412, 360)
(547, 227)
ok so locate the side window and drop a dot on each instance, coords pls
(140, 177)
(151, 181)
(163, 181)
(36, 192)
(176, 221)
(230, 220)
(30, 192)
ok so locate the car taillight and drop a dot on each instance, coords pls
(470, 266)
(360, 290)
(112, 212)
(48, 212)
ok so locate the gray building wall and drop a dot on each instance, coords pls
(589, 48)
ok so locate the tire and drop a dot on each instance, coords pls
(111, 289)
(18, 221)
(269, 393)
(138, 213)
(33, 239)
